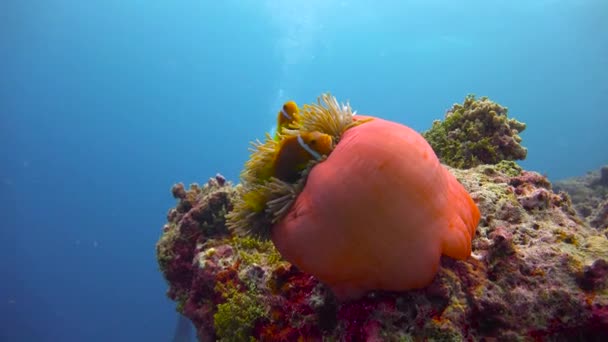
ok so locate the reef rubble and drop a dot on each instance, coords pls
(538, 272)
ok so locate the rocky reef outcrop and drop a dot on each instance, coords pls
(537, 272)
(538, 269)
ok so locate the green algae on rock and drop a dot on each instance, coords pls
(476, 132)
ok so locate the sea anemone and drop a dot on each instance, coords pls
(263, 198)
(375, 213)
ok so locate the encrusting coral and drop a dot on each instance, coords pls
(537, 272)
(476, 132)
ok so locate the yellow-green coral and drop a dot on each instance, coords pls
(236, 317)
(165, 244)
(262, 199)
(181, 302)
(509, 168)
(437, 330)
(252, 250)
(476, 132)
(562, 236)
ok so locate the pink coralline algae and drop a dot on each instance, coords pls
(538, 272)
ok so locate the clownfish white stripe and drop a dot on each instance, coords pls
(285, 114)
(312, 152)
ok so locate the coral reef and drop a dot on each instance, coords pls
(589, 194)
(476, 132)
(537, 272)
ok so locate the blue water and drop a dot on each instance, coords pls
(105, 104)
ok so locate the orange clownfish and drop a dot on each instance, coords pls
(296, 151)
(287, 115)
